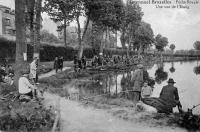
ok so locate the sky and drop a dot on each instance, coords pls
(180, 25)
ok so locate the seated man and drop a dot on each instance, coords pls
(25, 87)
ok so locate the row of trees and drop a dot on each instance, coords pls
(103, 19)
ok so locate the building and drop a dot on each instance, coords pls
(7, 23)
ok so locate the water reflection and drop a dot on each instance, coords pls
(160, 75)
(196, 70)
(172, 69)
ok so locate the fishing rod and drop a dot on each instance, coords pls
(195, 106)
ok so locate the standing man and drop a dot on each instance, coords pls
(33, 69)
(61, 63)
(137, 78)
(84, 62)
(56, 64)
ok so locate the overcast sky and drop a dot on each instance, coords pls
(180, 26)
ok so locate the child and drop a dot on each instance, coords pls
(146, 90)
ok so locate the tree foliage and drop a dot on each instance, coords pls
(48, 37)
(131, 19)
(197, 45)
(144, 35)
(161, 42)
(106, 13)
(172, 47)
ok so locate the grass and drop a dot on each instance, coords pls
(22, 117)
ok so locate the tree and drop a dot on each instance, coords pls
(37, 28)
(161, 42)
(20, 23)
(131, 19)
(21, 46)
(144, 36)
(33, 21)
(48, 37)
(172, 47)
(105, 15)
(60, 11)
(102, 12)
(197, 45)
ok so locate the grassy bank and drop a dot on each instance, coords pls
(17, 116)
(22, 117)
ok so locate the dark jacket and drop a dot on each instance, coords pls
(170, 95)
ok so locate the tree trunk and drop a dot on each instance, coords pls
(31, 8)
(38, 26)
(122, 39)
(80, 50)
(65, 31)
(21, 46)
(81, 39)
(103, 42)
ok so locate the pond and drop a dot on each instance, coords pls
(185, 74)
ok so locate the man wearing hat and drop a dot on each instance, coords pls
(138, 80)
(170, 95)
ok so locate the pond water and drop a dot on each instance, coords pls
(185, 74)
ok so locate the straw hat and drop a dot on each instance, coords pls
(140, 66)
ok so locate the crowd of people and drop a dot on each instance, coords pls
(100, 60)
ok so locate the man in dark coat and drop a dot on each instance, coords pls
(170, 94)
(168, 99)
(60, 63)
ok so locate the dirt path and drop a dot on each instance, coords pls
(76, 117)
(53, 72)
